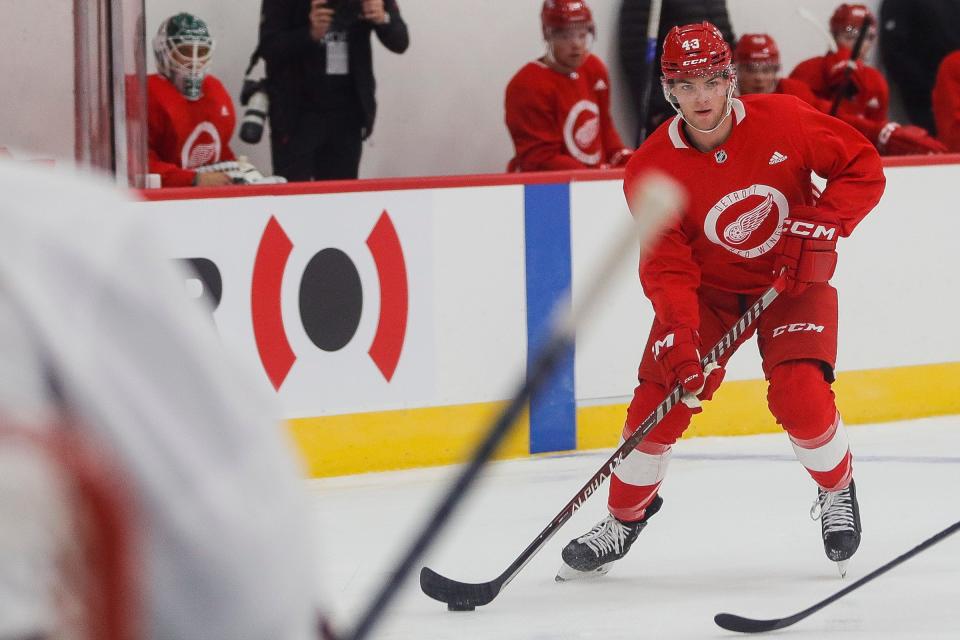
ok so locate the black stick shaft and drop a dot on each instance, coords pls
(452, 591)
(751, 625)
(854, 56)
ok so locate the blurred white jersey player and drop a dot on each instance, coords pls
(96, 325)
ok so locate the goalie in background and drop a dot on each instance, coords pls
(191, 117)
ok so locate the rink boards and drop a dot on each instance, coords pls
(393, 317)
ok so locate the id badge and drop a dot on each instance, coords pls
(338, 58)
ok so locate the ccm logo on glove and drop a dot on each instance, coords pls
(809, 230)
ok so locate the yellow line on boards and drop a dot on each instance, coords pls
(432, 436)
(740, 407)
(384, 440)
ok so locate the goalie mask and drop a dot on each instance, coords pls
(183, 48)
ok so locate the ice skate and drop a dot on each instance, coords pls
(839, 517)
(591, 554)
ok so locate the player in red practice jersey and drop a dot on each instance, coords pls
(758, 64)
(190, 115)
(746, 164)
(946, 102)
(558, 107)
(865, 90)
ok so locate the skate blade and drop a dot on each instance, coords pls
(842, 567)
(567, 573)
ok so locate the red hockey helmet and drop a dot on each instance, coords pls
(849, 17)
(694, 50)
(561, 14)
(757, 48)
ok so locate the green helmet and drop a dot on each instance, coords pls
(183, 47)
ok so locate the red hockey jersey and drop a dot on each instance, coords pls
(871, 102)
(184, 134)
(946, 102)
(561, 121)
(740, 193)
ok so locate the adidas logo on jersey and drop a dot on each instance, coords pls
(777, 158)
(600, 85)
(873, 103)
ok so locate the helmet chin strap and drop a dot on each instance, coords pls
(726, 111)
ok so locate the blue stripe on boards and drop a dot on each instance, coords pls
(547, 223)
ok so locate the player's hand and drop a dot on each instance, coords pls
(677, 353)
(374, 11)
(906, 140)
(806, 253)
(321, 17)
(213, 179)
(620, 158)
(838, 65)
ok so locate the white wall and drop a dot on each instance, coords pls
(441, 103)
(36, 69)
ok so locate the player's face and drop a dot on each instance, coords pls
(703, 100)
(571, 46)
(757, 77)
(848, 38)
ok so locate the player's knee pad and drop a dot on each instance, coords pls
(646, 397)
(800, 398)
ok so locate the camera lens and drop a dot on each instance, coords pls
(251, 129)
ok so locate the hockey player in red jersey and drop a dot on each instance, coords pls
(865, 90)
(190, 115)
(747, 165)
(946, 102)
(758, 65)
(558, 107)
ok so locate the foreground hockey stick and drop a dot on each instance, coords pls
(653, 30)
(656, 203)
(461, 596)
(732, 622)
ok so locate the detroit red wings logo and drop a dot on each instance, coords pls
(581, 131)
(202, 147)
(747, 221)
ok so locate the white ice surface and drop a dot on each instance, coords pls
(733, 535)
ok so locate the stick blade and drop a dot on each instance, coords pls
(732, 622)
(456, 594)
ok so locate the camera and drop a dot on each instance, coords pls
(253, 96)
(346, 13)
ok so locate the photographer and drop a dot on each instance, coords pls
(320, 81)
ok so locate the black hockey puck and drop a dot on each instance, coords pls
(453, 606)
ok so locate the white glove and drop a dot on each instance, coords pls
(241, 172)
(690, 397)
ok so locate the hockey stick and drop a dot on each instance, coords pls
(656, 202)
(466, 596)
(854, 56)
(732, 622)
(653, 30)
(813, 20)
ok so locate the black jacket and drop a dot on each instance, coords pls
(633, 44)
(294, 60)
(915, 36)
